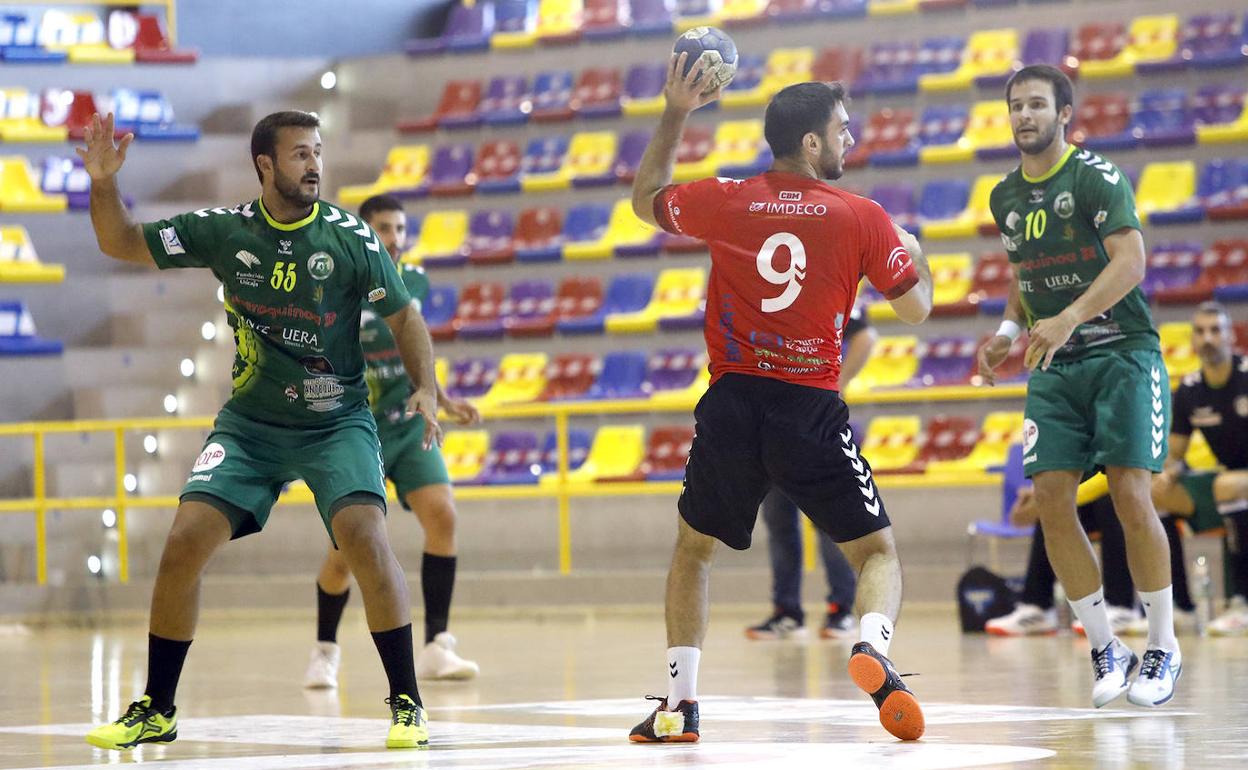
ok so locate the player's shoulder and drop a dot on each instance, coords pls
(225, 216)
(1006, 183)
(347, 228)
(1087, 165)
(860, 205)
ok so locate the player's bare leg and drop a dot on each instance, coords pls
(434, 506)
(687, 611)
(1148, 557)
(874, 558)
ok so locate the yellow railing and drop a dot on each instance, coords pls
(563, 491)
(170, 6)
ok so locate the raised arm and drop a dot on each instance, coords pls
(683, 95)
(416, 349)
(118, 235)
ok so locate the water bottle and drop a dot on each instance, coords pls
(1204, 594)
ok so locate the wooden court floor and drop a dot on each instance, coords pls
(562, 690)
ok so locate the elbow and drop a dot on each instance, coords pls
(642, 205)
(916, 316)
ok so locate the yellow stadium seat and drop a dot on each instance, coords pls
(1199, 456)
(989, 52)
(1176, 348)
(785, 66)
(952, 275)
(892, 7)
(559, 19)
(1165, 187)
(736, 142)
(977, 213)
(18, 261)
(19, 189)
(677, 292)
(649, 106)
(689, 395)
(510, 41)
(988, 126)
(617, 450)
(742, 10)
(406, 167)
(1153, 38)
(590, 154)
(892, 364)
(892, 442)
(1000, 431)
(20, 120)
(464, 452)
(441, 369)
(83, 38)
(626, 229)
(711, 19)
(442, 232)
(521, 379)
(1223, 133)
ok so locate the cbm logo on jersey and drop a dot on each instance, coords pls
(790, 195)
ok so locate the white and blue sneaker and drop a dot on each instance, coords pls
(1111, 669)
(1158, 675)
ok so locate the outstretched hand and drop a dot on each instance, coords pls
(687, 92)
(101, 158)
(424, 402)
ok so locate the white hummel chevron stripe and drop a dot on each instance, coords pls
(862, 473)
(1158, 419)
(1157, 406)
(201, 213)
(1156, 451)
(373, 245)
(334, 214)
(349, 222)
(1158, 435)
(247, 212)
(1156, 391)
(863, 477)
(363, 231)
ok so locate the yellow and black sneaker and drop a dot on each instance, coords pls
(408, 727)
(874, 674)
(662, 726)
(140, 724)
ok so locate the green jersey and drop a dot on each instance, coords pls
(294, 294)
(1054, 228)
(389, 387)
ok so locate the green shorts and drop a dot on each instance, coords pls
(1107, 409)
(245, 464)
(1208, 513)
(409, 465)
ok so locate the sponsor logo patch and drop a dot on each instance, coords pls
(1031, 434)
(247, 258)
(201, 477)
(377, 295)
(790, 195)
(1064, 205)
(169, 239)
(210, 458)
(283, 247)
(320, 265)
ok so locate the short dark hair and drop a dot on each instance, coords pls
(798, 110)
(378, 204)
(1063, 90)
(1211, 307)
(264, 135)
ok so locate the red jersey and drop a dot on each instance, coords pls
(787, 254)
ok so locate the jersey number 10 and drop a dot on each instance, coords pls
(789, 279)
(1036, 222)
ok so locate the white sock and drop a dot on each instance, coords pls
(682, 673)
(1094, 615)
(878, 630)
(1159, 609)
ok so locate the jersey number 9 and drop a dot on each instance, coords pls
(284, 277)
(789, 279)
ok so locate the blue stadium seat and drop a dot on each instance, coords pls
(623, 376)
(150, 116)
(19, 41)
(17, 333)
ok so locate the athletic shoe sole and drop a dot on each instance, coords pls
(102, 744)
(900, 713)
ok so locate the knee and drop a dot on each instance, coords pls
(692, 545)
(441, 518)
(1054, 507)
(184, 550)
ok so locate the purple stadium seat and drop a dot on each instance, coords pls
(1223, 189)
(578, 449)
(1215, 40)
(586, 222)
(762, 161)
(506, 102)
(468, 28)
(940, 54)
(672, 369)
(644, 81)
(515, 15)
(514, 458)
(938, 125)
(439, 311)
(448, 171)
(890, 68)
(943, 199)
(66, 176)
(628, 154)
(623, 376)
(944, 361)
(552, 96)
(898, 201)
(489, 237)
(1046, 46)
(1171, 265)
(1164, 119)
(652, 17)
(1217, 103)
(750, 70)
(544, 155)
(531, 309)
(472, 377)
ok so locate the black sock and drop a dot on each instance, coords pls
(397, 657)
(437, 581)
(329, 609)
(164, 667)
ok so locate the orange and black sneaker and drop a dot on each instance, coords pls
(899, 709)
(662, 726)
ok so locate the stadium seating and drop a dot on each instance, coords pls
(991, 284)
(1174, 269)
(1151, 40)
(585, 231)
(471, 377)
(497, 167)
(578, 450)
(68, 177)
(532, 309)
(19, 40)
(443, 235)
(591, 159)
(1176, 348)
(457, 108)
(521, 379)
(1215, 40)
(1221, 114)
(539, 235)
(515, 24)
(152, 44)
(506, 102)
(439, 312)
(514, 458)
(632, 147)
(489, 239)
(838, 63)
(17, 333)
(666, 453)
(651, 17)
(149, 115)
(1227, 272)
(672, 370)
(18, 261)
(569, 376)
(21, 118)
(643, 89)
(82, 36)
(940, 125)
(468, 28)
(1010, 370)
(899, 201)
(542, 161)
(598, 93)
(627, 293)
(944, 439)
(449, 171)
(479, 312)
(893, 363)
(552, 96)
(1049, 46)
(1103, 122)
(627, 235)
(948, 210)
(891, 443)
(987, 60)
(677, 294)
(1223, 189)
(464, 452)
(616, 452)
(579, 306)
(20, 191)
(1166, 194)
(405, 175)
(999, 431)
(888, 130)
(623, 375)
(604, 20)
(559, 21)
(1164, 118)
(944, 361)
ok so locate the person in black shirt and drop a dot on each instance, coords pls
(1214, 400)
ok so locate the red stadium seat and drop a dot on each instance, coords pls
(537, 232)
(888, 130)
(597, 92)
(569, 375)
(666, 453)
(1241, 338)
(838, 63)
(946, 438)
(151, 44)
(992, 280)
(497, 166)
(578, 297)
(1010, 370)
(1097, 42)
(457, 106)
(480, 308)
(1101, 116)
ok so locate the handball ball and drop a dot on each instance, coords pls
(709, 46)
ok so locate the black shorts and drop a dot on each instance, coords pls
(755, 432)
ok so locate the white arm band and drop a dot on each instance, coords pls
(1009, 329)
